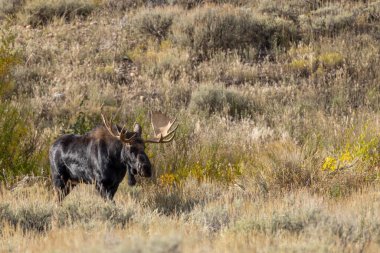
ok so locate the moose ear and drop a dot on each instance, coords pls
(137, 129)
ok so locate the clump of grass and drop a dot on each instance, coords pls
(170, 200)
(33, 216)
(37, 218)
(42, 12)
(76, 211)
(283, 165)
(212, 217)
(294, 215)
(331, 60)
(213, 100)
(163, 60)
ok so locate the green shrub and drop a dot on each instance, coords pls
(20, 149)
(8, 60)
(80, 123)
(213, 100)
(42, 12)
(207, 30)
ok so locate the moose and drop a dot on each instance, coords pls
(104, 155)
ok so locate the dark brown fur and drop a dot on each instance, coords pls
(97, 157)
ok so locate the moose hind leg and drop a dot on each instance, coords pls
(61, 187)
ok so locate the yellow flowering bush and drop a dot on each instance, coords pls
(364, 151)
(168, 179)
(210, 171)
(306, 61)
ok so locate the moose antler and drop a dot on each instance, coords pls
(161, 126)
(119, 135)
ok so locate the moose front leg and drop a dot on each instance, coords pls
(131, 177)
(107, 192)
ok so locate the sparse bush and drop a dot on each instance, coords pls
(161, 61)
(75, 211)
(292, 216)
(369, 14)
(210, 29)
(284, 166)
(171, 201)
(42, 12)
(123, 5)
(327, 21)
(35, 217)
(154, 23)
(10, 7)
(212, 217)
(367, 19)
(288, 9)
(188, 4)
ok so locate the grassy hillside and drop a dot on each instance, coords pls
(278, 104)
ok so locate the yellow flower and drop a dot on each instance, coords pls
(329, 164)
(167, 179)
(346, 156)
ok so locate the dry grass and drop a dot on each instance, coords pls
(216, 219)
(278, 104)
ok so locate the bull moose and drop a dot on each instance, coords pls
(104, 155)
